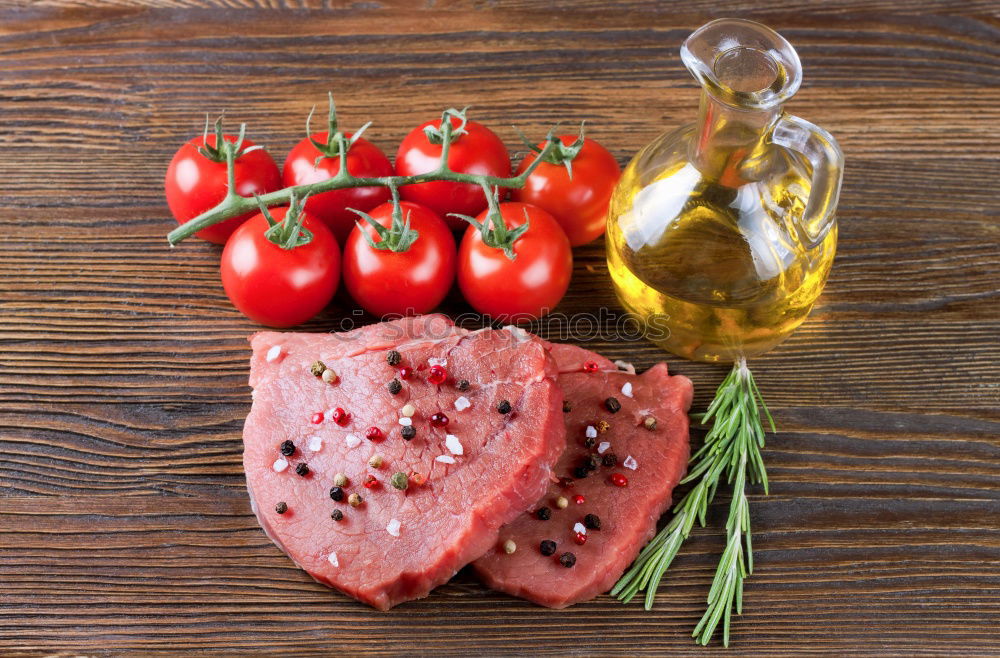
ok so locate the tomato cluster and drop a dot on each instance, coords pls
(513, 261)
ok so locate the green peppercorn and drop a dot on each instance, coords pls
(612, 405)
(504, 407)
(408, 432)
(393, 358)
(395, 386)
(337, 515)
(281, 507)
(340, 480)
(400, 481)
(317, 368)
(590, 442)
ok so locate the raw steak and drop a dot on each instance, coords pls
(482, 469)
(652, 461)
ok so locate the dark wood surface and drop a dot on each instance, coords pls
(124, 523)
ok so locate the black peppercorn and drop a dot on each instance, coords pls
(580, 472)
(288, 448)
(547, 547)
(504, 407)
(337, 515)
(567, 406)
(543, 513)
(592, 462)
(408, 432)
(463, 384)
(609, 459)
(589, 442)
(567, 560)
(613, 405)
(282, 507)
(337, 493)
(393, 358)
(302, 469)
(395, 387)
(592, 521)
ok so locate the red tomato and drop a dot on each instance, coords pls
(195, 183)
(364, 160)
(478, 151)
(579, 203)
(409, 282)
(275, 286)
(528, 286)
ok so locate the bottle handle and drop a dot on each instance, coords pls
(824, 155)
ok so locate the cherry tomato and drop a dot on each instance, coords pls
(579, 203)
(528, 286)
(478, 151)
(196, 183)
(364, 160)
(409, 282)
(275, 286)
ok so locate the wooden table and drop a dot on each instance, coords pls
(124, 523)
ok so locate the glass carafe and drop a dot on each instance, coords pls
(721, 233)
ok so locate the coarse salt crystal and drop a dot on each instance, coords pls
(630, 462)
(591, 432)
(602, 447)
(405, 422)
(352, 440)
(280, 465)
(435, 361)
(393, 527)
(626, 366)
(315, 444)
(462, 403)
(273, 353)
(445, 459)
(453, 444)
(579, 527)
(408, 410)
(627, 389)
(332, 559)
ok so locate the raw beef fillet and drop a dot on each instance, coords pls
(480, 451)
(627, 448)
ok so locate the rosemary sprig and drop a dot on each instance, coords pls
(733, 446)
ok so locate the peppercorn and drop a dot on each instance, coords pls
(567, 560)
(580, 472)
(408, 432)
(543, 513)
(589, 442)
(337, 515)
(317, 368)
(580, 538)
(393, 358)
(370, 481)
(602, 426)
(561, 502)
(374, 434)
(592, 462)
(417, 478)
(337, 493)
(400, 481)
(592, 521)
(463, 384)
(619, 480)
(355, 499)
(567, 406)
(281, 507)
(609, 459)
(375, 461)
(404, 372)
(649, 423)
(341, 417)
(395, 386)
(613, 405)
(547, 547)
(437, 374)
(439, 419)
(590, 366)
(302, 469)
(317, 418)
(509, 546)
(579, 500)
(329, 376)
(288, 448)
(504, 407)
(340, 480)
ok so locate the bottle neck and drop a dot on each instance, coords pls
(729, 138)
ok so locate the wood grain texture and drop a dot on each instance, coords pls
(124, 525)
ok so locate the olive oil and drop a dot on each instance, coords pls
(721, 234)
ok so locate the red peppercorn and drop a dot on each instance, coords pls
(580, 538)
(405, 372)
(579, 500)
(341, 417)
(619, 480)
(317, 418)
(417, 478)
(439, 420)
(437, 374)
(590, 366)
(370, 481)
(374, 434)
